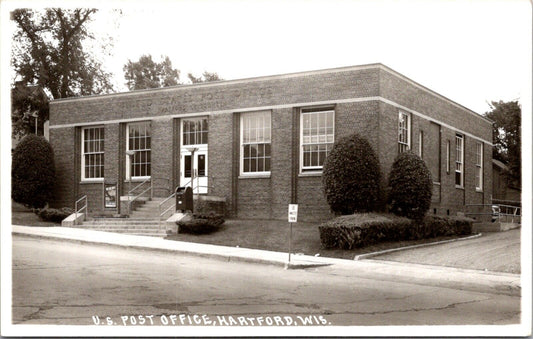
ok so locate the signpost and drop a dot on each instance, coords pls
(293, 217)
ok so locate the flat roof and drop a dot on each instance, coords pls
(274, 77)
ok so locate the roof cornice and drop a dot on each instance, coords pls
(275, 77)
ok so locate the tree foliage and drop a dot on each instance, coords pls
(205, 77)
(146, 73)
(351, 176)
(26, 102)
(32, 172)
(506, 137)
(48, 50)
(410, 186)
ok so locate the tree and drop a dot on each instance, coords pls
(351, 176)
(206, 77)
(32, 172)
(410, 186)
(27, 104)
(48, 50)
(146, 73)
(506, 137)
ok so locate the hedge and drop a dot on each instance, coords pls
(360, 230)
(32, 172)
(351, 176)
(54, 215)
(410, 186)
(201, 224)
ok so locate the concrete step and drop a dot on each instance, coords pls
(144, 232)
(125, 221)
(125, 227)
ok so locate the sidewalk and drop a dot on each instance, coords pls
(481, 281)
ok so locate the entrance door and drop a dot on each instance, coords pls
(196, 166)
(193, 155)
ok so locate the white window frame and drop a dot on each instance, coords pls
(182, 131)
(459, 160)
(267, 139)
(421, 144)
(402, 144)
(448, 157)
(479, 166)
(310, 111)
(84, 153)
(128, 158)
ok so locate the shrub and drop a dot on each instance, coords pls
(360, 230)
(351, 176)
(54, 215)
(201, 224)
(32, 172)
(410, 186)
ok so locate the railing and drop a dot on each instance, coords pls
(494, 213)
(173, 205)
(170, 208)
(81, 209)
(130, 201)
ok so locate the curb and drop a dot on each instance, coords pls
(374, 254)
(217, 256)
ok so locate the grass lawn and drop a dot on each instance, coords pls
(273, 235)
(23, 216)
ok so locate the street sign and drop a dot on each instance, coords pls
(293, 212)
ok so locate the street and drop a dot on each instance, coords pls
(70, 283)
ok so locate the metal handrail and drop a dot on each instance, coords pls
(516, 211)
(161, 214)
(81, 209)
(163, 202)
(130, 201)
(139, 185)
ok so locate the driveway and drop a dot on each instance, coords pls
(498, 252)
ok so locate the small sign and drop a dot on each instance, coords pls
(293, 212)
(110, 195)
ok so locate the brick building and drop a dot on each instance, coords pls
(260, 142)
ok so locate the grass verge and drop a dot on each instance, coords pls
(24, 216)
(273, 235)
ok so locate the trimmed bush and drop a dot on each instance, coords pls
(201, 224)
(32, 172)
(410, 186)
(54, 215)
(360, 230)
(351, 176)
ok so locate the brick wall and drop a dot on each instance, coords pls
(208, 97)
(223, 103)
(62, 142)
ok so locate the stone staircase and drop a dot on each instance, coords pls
(144, 220)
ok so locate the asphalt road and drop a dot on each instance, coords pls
(81, 284)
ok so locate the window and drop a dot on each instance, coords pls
(404, 132)
(92, 150)
(317, 136)
(421, 144)
(195, 131)
(255, 143)
(459, 159)
(479, 166)
(138, 137)
(447, 156)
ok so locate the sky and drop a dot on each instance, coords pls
(472, 52)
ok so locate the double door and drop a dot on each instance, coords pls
(193, 154)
